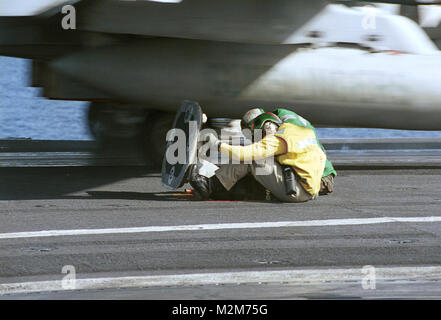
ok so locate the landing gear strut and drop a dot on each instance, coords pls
(112, 122)
(127, 128)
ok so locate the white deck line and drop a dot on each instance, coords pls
(221, 226)
(311, 276)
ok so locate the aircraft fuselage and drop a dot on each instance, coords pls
(329, 85)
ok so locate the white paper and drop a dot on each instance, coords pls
(207, 169)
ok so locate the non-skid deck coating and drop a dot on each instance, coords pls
(403, 203)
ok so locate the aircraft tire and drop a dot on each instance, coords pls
(157, 125)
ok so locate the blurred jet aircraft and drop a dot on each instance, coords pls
(135, 61)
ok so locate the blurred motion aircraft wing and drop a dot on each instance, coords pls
(227, 20)
(138, 60)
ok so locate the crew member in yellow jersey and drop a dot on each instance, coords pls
(284, 145)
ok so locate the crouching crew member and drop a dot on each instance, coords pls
(288, 161)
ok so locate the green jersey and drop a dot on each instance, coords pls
(292, 117)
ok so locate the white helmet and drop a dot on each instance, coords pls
(250, 115)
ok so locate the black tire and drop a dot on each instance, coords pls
(157, 125)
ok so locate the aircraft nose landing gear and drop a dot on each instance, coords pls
(128, 129)
(109, 122)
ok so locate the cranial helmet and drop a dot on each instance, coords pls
(250, 115)
(260, 120)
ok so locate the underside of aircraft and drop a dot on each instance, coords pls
(136, 61)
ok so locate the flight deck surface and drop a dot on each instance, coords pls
(388, 219)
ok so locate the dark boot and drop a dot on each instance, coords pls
(206, 187)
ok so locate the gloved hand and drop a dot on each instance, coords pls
(211, 140)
